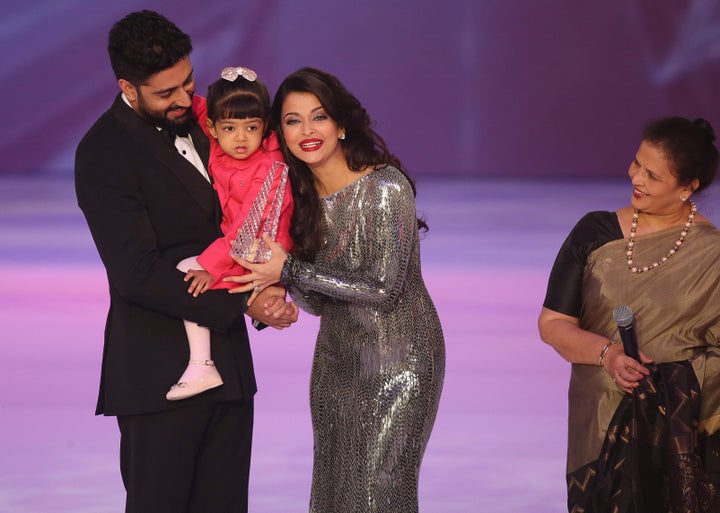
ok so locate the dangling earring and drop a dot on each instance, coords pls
(683, 199)
(342, 136)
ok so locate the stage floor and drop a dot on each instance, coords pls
(499, 439)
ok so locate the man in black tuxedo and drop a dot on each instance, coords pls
(142, 184)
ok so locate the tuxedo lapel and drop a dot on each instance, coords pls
(201, 143)
(149, 138)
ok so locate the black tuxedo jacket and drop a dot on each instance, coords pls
(147, 209)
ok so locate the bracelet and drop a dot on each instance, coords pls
(603, 352)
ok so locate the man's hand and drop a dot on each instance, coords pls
(271, 308)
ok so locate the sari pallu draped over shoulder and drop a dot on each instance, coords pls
(677, 319)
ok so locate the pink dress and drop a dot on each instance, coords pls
(237, 183)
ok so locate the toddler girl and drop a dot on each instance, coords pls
(243, 150)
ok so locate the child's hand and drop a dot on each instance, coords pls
(200, 281)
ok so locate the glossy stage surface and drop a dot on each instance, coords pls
(499, 439)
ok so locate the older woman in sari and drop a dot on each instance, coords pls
(644, 434)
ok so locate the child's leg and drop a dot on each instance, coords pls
(200, 374)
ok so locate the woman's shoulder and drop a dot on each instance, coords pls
(599, 218)
(387, 170)
(708, 230)
(387, 175)
(598, 225)
(704, 238)
(376, 182)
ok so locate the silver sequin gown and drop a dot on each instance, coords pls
(379, 360)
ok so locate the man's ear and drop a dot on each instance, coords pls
(129, 90)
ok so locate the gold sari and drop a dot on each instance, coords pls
(677, 318)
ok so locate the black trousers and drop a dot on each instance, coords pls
(188, 460)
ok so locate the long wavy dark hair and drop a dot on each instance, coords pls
(362, 147)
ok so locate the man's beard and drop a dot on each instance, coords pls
(161, 119)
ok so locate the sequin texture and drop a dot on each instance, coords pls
(379, 360)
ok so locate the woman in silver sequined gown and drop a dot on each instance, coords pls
(379, 361)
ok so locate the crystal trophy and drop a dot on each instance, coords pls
(249, 244)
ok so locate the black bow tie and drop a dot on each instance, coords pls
(169, 135)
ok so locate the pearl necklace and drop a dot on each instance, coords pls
(673, 250)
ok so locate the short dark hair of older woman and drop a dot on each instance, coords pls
(688, 146)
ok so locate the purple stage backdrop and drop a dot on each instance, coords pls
(488, 88)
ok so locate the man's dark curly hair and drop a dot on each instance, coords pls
(144, 43)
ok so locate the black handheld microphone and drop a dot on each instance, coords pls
(623, 316)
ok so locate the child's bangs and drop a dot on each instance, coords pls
(241, 107)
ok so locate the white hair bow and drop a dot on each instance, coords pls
(231, 74)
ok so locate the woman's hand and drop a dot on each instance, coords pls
(625, 371)
(261, 275)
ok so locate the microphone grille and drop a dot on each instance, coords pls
(623, 315)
